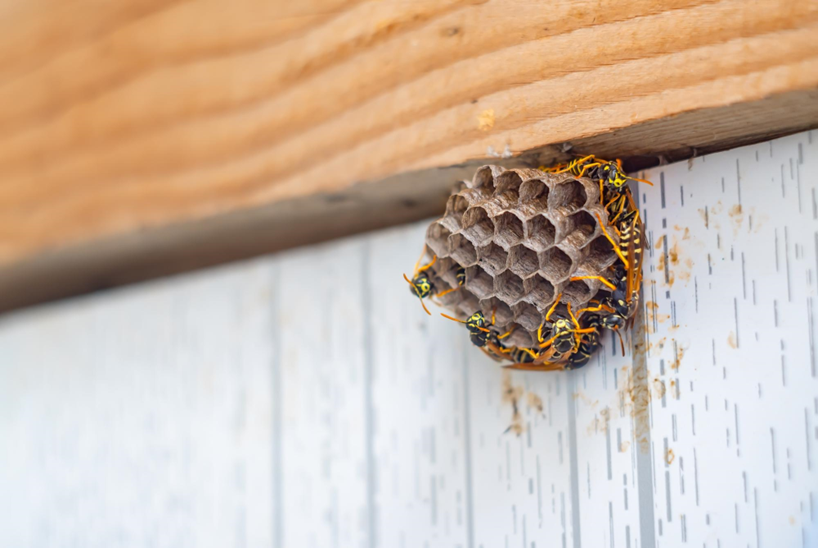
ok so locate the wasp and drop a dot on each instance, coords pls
(617, 310)
(490, 342)
(565, 333)
(609, 174)
(588, 342)
(421, 285)
(481, 335)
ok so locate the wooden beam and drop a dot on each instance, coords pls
(158, 136)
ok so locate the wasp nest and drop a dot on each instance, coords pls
(520, 235)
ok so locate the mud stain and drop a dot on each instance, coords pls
(677, 361)
(635, 396)
(736, 217)
(600, 422)
(535, 402)
(731, 340)
(669, 457)
(511, 394)
(659, 389)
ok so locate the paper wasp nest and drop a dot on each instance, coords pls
(520, 235)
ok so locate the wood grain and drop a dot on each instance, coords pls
(150, 115)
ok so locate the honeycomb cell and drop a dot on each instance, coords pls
(447, 270)
(508, 181)
(523, 261)
(492, 258)
(599, 254)
(462, 250)
(479, 282)
(484, 177)
(477, 226)
(539, 292)
(534, 192)
(502, 312)
(577, 229)
(437, 238)
(508, 230)
(509, 287)
(519, 337)
(567, 197)
(456, 206)
(577, 293)
(555, 265)
(468, 305)
(527, 316)
(540, 233)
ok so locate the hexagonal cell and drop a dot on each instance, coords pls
(509, 287)
(523, 262)
(447, 270)
(577, 293)
(507, 181)
(600, 254)
(462, 250)
(502, 313)
(555, 265)
(520, 337)
(437, 238)
(534, 191)
(469, 304)
(479, 282)
(477, 226)
(492, 258)
(539, 292)
(577, 229)
(456, 206)
(484, 177)
(527, 316)
(567, 197)
(540, 233)
(508, 230)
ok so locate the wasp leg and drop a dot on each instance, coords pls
(613, 243)
(600, 278)
(433, 261)
(447, 291)
(597, 308)
(587, 166)
(551, 310)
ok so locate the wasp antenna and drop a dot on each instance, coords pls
(452, 318)
(641, 181)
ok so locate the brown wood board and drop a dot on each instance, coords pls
(154, 137)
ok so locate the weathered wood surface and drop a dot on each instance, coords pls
(153, 136)
(305, 399)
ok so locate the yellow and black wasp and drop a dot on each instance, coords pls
(481, 334)
(588, 342)
(564, 331)
(618, 309)
(490, 342)
(422, 286)
(609, 174)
